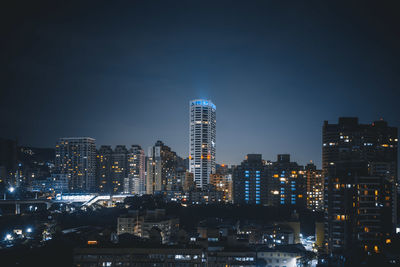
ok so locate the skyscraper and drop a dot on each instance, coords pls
(76, 157)
(162, 163)
(314, 187)
(202, 140)
(136, 181)
(222, 181)
(103, 169)
(359, 163)
(119, 168)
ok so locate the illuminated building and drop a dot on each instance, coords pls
(281, 256)
(119, 168)
(136, 180)
(223, 169)
(76, 156)
(250, 181)
(202, 140)
(57, 183)
(188, 182)
(314, 187)
(206, 195)
(162, 164)
(223, 182)
(360, 167)
(286, 184)
(141, 225)
(140, 256)
(103, 169)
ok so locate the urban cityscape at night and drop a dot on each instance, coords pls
(199, 133)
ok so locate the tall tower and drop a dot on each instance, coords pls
(76, 157)
(119, 168)
(359, 162)
(314, 187)
(136, 181)
(103, 169)
(202, 139)
(162, 163)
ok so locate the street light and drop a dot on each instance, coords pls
(8, 237)
(11, 190)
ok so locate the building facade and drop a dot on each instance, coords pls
(202, 140)
(119, 168)
(188, 181)
(250, 181)
(162, 164)
(360, 167)
(136, 181)
(223, 182)
(314, 187)
(139, 256)
(76, 156)
(103, 169)
(57, 183)
(286, 183)
(142, 225)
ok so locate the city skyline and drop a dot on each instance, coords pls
(270, 156)
(199, 133)
(275, 71)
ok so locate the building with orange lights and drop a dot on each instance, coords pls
(314, 187)
(223, 182)
(359, 163)
(286, 183)
(202, 138)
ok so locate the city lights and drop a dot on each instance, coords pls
(108, 141)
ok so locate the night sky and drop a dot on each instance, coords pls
(124, 73)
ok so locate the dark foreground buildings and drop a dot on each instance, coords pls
(188, 256)
(360, 168)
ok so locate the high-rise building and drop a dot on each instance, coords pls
(223, 182)
(76, 156)
(136, 181)
(250, 181)
(188, 181)
(103, 169)
(202, 140)
(286, 184)
(314, 187)
(119, 168)
(360, 167)
(162, 163)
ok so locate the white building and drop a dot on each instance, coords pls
(202, 139)
(136, 181)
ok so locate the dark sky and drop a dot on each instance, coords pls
(124, 72)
